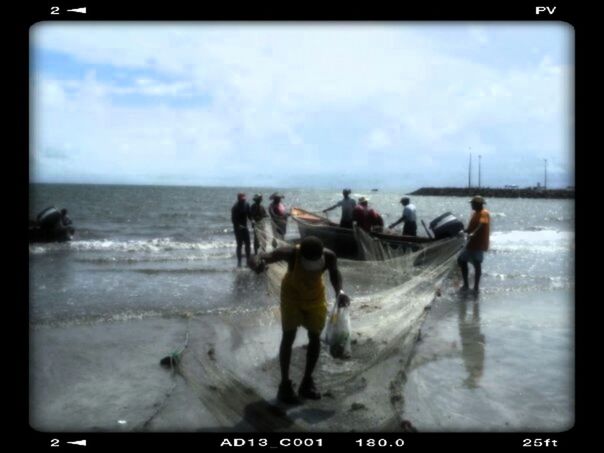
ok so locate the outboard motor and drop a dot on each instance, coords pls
(49, 227)
(49, 217)
(446, 226)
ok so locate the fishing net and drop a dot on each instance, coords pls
(231, 358)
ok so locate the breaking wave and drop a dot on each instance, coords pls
(149, 245)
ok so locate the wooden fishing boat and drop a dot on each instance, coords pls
(346, 243)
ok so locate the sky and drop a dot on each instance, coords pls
(396, 105)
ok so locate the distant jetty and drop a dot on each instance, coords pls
(490, 192)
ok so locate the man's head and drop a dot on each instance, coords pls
(346, 192)
(311, 251)
(276, 197)
(363, 201)
(477, 202)
(240, 196)
(405, 201)
(257, 198)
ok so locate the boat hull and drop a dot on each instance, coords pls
(345, 242)
(340, 240)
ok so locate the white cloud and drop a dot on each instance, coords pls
(372, 87)
(378, 139)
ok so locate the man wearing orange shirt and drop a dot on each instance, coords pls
(478, 242)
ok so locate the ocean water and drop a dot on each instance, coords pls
(107, 306)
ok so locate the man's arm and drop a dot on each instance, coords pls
(483, 219)
(251, 215)
(258, 264)
(233, 218)
(336, 278)
(392, 225)
(339, 203)
(279, 254)
(472, 233)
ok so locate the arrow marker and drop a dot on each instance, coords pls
(77, 10)
(78, 442)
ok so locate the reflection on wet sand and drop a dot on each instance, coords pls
(472, 340)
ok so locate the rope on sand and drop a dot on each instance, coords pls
(171, 361)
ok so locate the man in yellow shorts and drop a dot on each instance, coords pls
(303, 303)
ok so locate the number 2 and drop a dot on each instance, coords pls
(54, 10)
(54, 443)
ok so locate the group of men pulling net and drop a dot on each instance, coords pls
(236, 374)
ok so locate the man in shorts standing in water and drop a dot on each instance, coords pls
(478, 242)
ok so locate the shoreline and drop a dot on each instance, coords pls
(490, 192)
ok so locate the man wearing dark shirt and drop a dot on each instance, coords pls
(240, 213)
(347, 204)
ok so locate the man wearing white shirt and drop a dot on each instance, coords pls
(409, 217)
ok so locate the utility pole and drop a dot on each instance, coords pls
(479, 158)
(545, 178)
(470, 173)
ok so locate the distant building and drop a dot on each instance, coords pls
(511, 186)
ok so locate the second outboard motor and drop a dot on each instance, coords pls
(446, 226)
